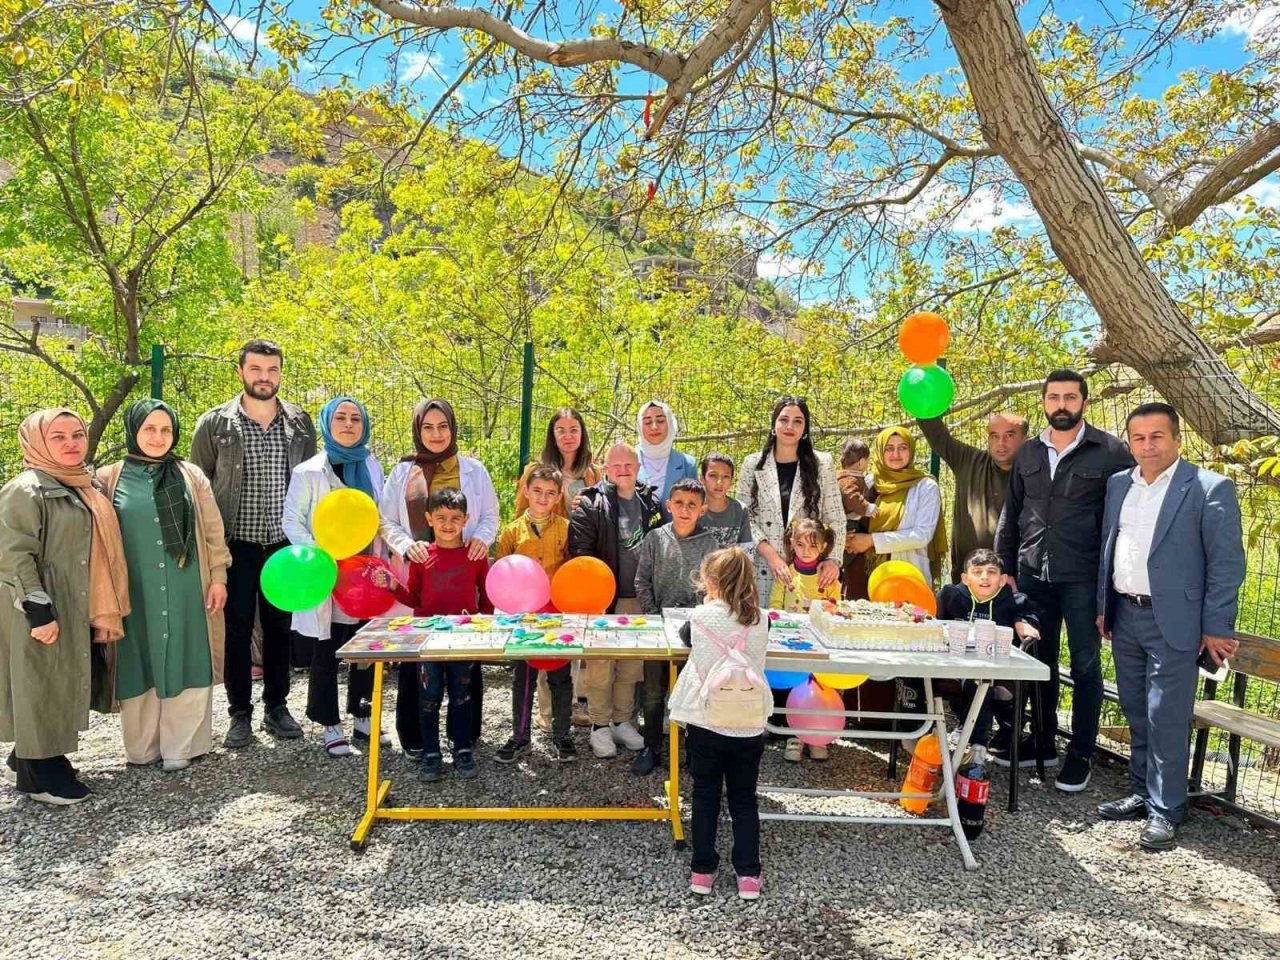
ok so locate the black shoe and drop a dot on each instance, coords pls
(1132, 807)
(280, 724)
(432, 768)
(240, 733)
(1075, 774)
(1159, 834)
(464, 764)
(645, 761)
(1001, 740)
(1026, 755)
(513, 748)
(413, 753)
(67, 792)
(11, 769)
(566, 752)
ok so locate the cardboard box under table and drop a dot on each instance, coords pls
(891, 665)
(532, 637)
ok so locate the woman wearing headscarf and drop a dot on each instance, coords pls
(62, 587)
(906, 519)
(344, 462)
(171, 654)
(661, 465)
(434, 465)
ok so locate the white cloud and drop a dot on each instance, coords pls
(1259, 23)
(1266, 193)
(417, 64)
(240, 28)
(773, 267)
(986, 210)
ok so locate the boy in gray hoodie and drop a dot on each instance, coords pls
(669, 558)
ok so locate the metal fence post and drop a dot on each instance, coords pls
(157, 371)
(526, 404)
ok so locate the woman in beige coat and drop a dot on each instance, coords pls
(62, 589)
(170, 657)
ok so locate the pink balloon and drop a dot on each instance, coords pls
(517, 584)
(814, 696)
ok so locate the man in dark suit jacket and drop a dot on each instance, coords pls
(1171, 567)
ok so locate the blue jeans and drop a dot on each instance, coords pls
(432, 680)
(1076, 604)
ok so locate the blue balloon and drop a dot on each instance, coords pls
(784, 679)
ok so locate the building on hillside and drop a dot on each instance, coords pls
(30, 311)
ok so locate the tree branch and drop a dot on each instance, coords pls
(1235, 166)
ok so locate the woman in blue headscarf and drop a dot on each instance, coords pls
(346, 462)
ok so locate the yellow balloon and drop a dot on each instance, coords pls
(345, 522)
(840, 681)
(893, 568)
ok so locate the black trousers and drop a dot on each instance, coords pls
(322, 685)
(244, 599)
(47, 775)
(524, 680)
(408, 709)
(730, 765)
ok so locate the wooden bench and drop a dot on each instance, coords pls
(1258, 657)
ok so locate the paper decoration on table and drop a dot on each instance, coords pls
(627, 634)
(782, 620)
(464, 645)
(380, 645)
(539, 643)
(802, 644)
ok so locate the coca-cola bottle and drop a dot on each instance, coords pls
(972, 787)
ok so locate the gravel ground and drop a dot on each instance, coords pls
(246, 855)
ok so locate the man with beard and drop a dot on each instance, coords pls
(248, 447)
(1050, 533)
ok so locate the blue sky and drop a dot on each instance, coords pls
(427, 77)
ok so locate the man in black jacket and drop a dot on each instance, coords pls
(608, 522)
(1050, 532)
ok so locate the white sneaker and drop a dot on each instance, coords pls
(364, 727)
(626, 734)
(173, 766)
(818, 752)
(794, 750)
(335, 742)
(602, 744)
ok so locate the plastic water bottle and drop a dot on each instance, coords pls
(972, 788)
(923, 774)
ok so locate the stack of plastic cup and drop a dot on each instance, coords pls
(1004, 643)
(957, 637)
(984, 639)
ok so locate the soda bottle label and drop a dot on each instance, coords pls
(973, 791)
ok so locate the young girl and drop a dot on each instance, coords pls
(806, 543)
(729, 756)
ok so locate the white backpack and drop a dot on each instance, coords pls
(733, 692)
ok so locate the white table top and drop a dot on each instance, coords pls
(889, 664)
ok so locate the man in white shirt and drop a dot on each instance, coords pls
(1171, 567)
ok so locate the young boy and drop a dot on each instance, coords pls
(543, 534)
(725, 518)
(447, 582)
(852, 480)
(669, 557)
(982, 594)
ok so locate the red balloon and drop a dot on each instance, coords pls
(356, 593)
(548, 664)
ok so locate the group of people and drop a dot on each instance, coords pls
(135, 588)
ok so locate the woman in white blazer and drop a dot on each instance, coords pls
(434, 465)
(789, 480)
(344, 462)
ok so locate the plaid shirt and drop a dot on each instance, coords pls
(266, 478)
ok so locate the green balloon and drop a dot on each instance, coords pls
(926, 392)
(299, 577)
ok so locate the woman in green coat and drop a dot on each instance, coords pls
(166, 664)
(62, 587)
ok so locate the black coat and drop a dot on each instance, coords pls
(1051, 528)
(1006, 608)
(593, 524)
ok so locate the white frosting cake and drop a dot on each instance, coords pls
(864, 625)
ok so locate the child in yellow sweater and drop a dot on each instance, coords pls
(543, 534)
(805, 544)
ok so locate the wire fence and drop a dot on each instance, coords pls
(721, 406)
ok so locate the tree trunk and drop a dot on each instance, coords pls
(1143, 326)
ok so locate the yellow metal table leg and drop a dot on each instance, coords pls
(673, 783)
(375, 793)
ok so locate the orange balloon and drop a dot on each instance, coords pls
(906, 590)
(583, 585)
(924, 337)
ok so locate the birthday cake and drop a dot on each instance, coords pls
(864, 625)
(626, 634)
(529, 642)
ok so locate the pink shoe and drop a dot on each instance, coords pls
(749, 887)
(702, 883)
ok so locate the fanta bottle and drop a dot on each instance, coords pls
(923, 774)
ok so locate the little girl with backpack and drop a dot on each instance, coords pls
(722, 698)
